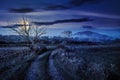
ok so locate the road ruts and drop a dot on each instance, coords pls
(53, 72)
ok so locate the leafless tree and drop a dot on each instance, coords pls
(29, 31)
(67, 34)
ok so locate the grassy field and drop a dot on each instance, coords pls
(13, 62)
(91, 62)
(73, 62)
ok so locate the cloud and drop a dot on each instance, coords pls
(70, 4)
(50, 23)
(63, 21)
(22, 6)
(77, 2)
(80, 2)
(22, 10)
(12, 26)
(77, 13)
(56, 7)
(88, 27)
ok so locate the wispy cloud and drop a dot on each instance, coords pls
(12, 26)
(56, 7)
(23, 6)
(88, 27)
(80, 2)
(94, 14)
(50, 23)
(74, 13)
(22, 10)
(63, 21)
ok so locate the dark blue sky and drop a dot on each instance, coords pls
(104, 14)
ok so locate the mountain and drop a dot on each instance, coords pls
(92, 36)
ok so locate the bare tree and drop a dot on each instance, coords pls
(29, 31)
(67, 34)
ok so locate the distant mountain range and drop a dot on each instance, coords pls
(87, 36)
(92, 36)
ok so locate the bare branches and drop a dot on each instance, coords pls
(67, 33)
(29, 31)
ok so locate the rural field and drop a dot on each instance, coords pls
(59, 39)
(63, 62)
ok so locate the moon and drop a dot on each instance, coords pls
(25, 25)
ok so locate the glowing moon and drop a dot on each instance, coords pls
(25, 25)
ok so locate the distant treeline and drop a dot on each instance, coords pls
(17, 41)
(7, 44)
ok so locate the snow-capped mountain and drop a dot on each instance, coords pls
(91, 36)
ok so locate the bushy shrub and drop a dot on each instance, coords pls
(82, 69)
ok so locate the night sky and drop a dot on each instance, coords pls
(101, 16)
